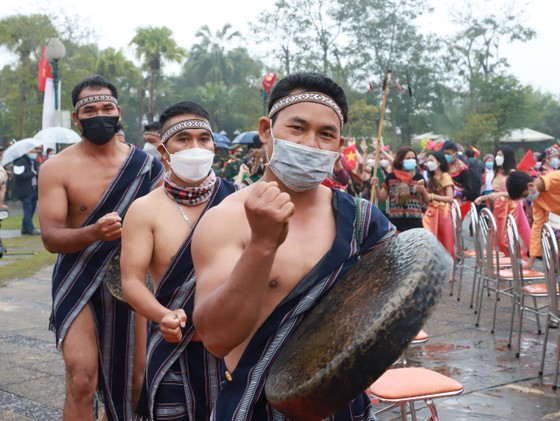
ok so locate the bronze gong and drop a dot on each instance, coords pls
(359, 327)
(113, 279)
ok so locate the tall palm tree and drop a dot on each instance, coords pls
(210, 58)
(155, 46)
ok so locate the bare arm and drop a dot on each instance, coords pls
(53, 216)
(379, 191)
(136, 255)
(232, 278)
(445, 198)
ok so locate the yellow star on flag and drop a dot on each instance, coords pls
(351, 156)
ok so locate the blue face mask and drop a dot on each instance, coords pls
(32, 156)
(489, 164)
(533, 196)
(554, 162)
(449, 159)
(409, 164)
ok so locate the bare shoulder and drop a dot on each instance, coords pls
(227, 217)
(147, 207)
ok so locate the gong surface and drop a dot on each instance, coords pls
(359, 327)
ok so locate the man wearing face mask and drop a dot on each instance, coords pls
(26, 170)
(84, 193)
(259, 253)
(157, 237)
(459, 172)
(544, 193)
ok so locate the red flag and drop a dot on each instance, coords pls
(465, 208)
(44, 71)
(476, 151)
(401, 90)
(527, 162)
(350, 154)
(268, 81)
(438, 146)
(430, 145)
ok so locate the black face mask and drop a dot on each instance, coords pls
(99, 130)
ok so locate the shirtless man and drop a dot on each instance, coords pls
(157, 234)
(278, 242)
(84, 192)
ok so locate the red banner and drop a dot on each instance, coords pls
(268, 81)
(44, 71)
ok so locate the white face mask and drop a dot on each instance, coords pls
(499, 160)
(191, 165)
(300, 167)
(383, 162)
(432, 166)
(151, 149)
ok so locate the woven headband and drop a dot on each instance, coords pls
(95, 98)
(315, 97)
(152, 133)
(185, 125)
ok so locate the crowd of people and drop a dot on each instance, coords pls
(207, 303)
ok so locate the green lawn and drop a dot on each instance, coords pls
(13, 222)
(29, 250)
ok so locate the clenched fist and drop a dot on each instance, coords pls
(268, 211)
(171, 325)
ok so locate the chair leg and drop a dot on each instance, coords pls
(545, 342)
(453, 272)
(510, 338)
(433, 410)
(539, 330)
(460, 281)
(520, 325)
(495, 307)
(483, 282)
(412, 411)
(474, 284)
(555, 386)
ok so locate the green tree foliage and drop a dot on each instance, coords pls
(156, 46)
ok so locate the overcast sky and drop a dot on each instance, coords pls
(536, 62)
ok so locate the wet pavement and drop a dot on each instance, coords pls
(498, 386)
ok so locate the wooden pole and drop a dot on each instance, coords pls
(380, 131)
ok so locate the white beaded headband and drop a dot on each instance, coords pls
(152, 133)
(315, 97)
(95, 98)
(185, 125)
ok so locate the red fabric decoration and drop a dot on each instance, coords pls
(527, 162)
(465, 208)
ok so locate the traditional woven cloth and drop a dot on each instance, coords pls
(190, 196)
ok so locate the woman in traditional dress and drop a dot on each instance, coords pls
(504, 164)
(405, 187)
(438, 218)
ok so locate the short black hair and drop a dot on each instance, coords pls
(310, 82)
(152, 127)
(469, 153)
(450, 146)
(96, 82)
(183, 107)
(516, 184)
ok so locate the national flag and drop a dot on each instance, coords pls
(268, 81)
(349, 153)
(430, 144)
(438, 146)
(44, 71)
(527, 162)
(370, 85)
(399, 88)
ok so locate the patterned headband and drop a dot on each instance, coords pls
(152, 133)
(185, 125)
(95, 98)
(315, 97)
